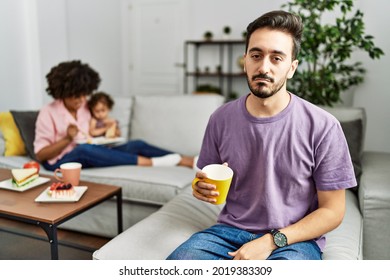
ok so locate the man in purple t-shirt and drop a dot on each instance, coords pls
(290, 160)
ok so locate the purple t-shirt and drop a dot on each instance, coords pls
(279, 162)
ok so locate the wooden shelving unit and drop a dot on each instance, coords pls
(224, 77)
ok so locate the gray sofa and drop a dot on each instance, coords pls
(159, 210)
(362, 234)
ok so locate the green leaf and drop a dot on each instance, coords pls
(324, 73)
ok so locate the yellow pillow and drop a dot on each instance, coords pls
(14, 145)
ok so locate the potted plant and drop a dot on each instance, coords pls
(232, 95)
(241, 62)
(208, 35)
(325, 69)
(207, 88)
(226, 32)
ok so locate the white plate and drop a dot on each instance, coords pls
(7, 184)
(45, 197)
(101, 140)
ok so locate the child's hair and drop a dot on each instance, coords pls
(100, 97)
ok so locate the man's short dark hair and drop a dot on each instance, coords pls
(282, 21)
(72, 79)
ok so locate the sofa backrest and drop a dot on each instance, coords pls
(174, 122)
(349, 115)
(122, 112)
(353, 121)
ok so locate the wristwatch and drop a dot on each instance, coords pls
(280, 239)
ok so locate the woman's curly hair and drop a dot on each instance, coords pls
(72, 79)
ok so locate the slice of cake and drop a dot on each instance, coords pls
(61, 190)
(22, 177)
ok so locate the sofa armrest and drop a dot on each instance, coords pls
(346, 241)
(374, 199)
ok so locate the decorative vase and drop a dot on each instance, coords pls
(241, 62)
(208, 36)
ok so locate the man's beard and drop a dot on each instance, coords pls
(258, 89)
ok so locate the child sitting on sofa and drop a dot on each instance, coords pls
(100, 104)
(64, 121)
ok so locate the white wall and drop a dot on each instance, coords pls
(374, 93)
(19, 55)
(37, 34)
(94, 36)
(53, 38)
(88, 30)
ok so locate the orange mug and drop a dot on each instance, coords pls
(70, 173)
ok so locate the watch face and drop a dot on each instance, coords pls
(280, 239)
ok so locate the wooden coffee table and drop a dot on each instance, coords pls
(20, 206)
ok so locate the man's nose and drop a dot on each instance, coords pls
(264, 66)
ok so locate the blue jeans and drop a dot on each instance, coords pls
(101, 156)
(215, 242)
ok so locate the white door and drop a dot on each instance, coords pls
(153, 46)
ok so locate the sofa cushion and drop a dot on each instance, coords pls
(353, 123)
(353, 131)
(176, 222)
(25, 121)
(14, 145)
(2, 144)
(346, 241)
(176, 123)
(122, 111)
(153, 185)
(374, 198)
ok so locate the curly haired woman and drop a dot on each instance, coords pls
(66, 119)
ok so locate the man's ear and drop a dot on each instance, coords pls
(294, 66)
